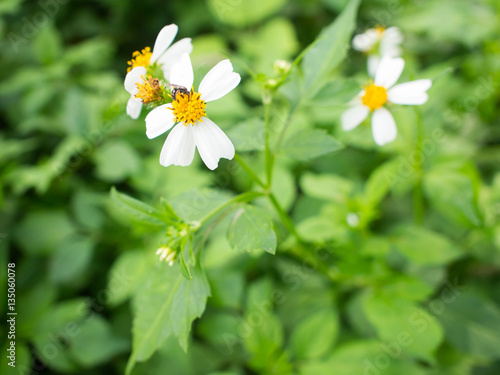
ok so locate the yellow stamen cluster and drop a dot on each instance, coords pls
(150, 90)
(140, 58)
(380, 29)
(188, 108)
(374, 97)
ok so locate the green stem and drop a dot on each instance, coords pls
(245, 197)
(249, 170)
(418, 191)
(285, 219)
(267, 100)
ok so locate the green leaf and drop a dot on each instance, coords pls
(424, 247)
(40, 232)
(458, 201)
(403, 325)
(264, 340)
(252, 229)
(95, 342)
(243, 13)
(326, 186)
(116, 160)
(272, 41)
(471, 323)
(125, 276)
(315, 335)
(135, 210)
(362, 357)
(183, 268)
(309, 144)
(248, 135)
(166, 304)
(71, 258)
(329, 49)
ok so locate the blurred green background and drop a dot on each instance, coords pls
(66, 140)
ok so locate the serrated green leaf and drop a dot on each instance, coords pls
(252, 229)
(424, 247)
(309, 144)
(315, 334)
(458, 202)
(399, 322)
(471, 323)
(166, 304)
(135, 210)
(326, 186)
(329, 48)
(362, 357)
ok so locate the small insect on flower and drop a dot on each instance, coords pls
(374, 97)
(378, 42)
(187, 112)
(176, 89)
(144, 63)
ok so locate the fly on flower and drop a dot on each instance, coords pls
(144, 64)
(378, 42)
(187, 112)
(378, 93)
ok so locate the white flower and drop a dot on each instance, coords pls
(164, 54)
(380, 92)
(378, 42)
(193, 129)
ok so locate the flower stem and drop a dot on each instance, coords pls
(267, 99)
(418, 191)
(249, 170)
(245, 197)
(285, 219)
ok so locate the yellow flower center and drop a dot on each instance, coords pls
(150, 90)
(140, 58)
(188, 108)
(375, 96)
(380, 29)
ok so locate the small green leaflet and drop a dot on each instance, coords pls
(309, 144)
(252, 229)
(329, 49)
(135, 210)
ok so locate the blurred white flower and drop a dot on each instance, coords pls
(373, 97)
(193, 129)
(378, 42)
(164, 54)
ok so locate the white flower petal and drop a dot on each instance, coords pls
(159, 120)
(383, 126)
(392, 35)
(365, 42)
(212, 143)
(373, 61)
(219, 81)
(173, 55)
(134, 107)
(182, 72)
(133, 77)
(179, 147)
(163, 40)
(412, 93)
(354, 116)
(388, 71)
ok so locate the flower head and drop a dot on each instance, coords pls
(143, 64)
(378, 42)
(187, 112)
(374, 97)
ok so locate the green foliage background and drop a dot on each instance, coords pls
(397, 269)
